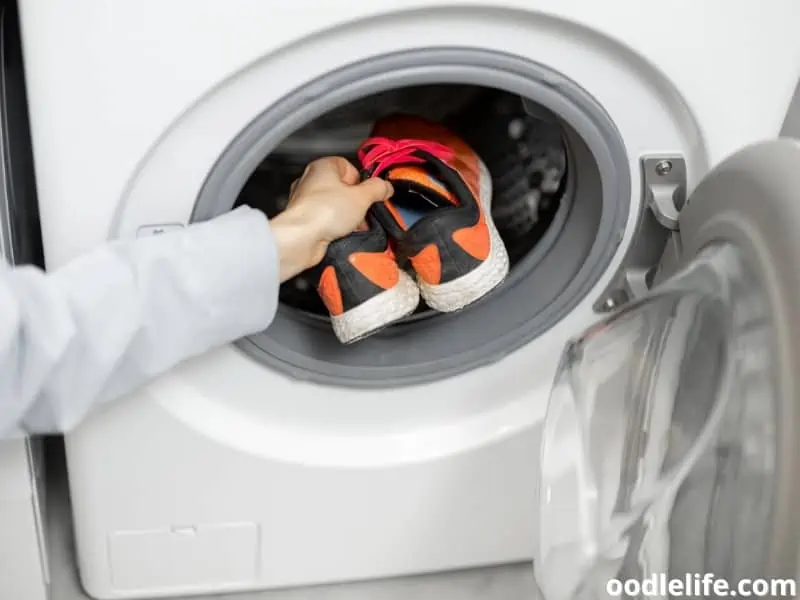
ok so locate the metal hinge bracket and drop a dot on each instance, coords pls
(664, 196)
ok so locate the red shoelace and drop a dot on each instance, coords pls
(379, 154)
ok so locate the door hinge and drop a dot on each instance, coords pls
(663, 198)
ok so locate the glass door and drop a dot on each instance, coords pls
(669, 449)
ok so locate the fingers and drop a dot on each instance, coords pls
(347, 172)
(372, 190)
(333, 166)
(335, 176)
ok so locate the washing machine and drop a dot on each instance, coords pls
(286, 459)
(24, 569)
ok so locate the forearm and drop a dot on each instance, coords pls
(298, 237)
(127, 312)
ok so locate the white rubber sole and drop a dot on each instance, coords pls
(378, 312)
(467, 289)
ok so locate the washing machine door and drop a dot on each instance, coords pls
(671, 446)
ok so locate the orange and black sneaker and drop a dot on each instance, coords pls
(440, 213)
(361, 285)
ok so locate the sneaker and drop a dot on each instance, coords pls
(440, 213)
(361, 285)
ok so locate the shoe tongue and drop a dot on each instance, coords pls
(420, 182)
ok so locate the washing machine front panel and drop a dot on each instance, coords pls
(161, 195)
(24, 569)
(266, 486)
(129, 75)
(677, 418)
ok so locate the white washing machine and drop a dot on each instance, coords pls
(24, 570)
(286, 459)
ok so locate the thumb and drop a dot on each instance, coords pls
(373, 190)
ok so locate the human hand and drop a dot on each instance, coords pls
(327, 202)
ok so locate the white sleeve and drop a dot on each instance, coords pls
(126, 312)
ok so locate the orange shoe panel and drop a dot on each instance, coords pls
(330, 292)
(380, 268)
(428, 264)
(419, 176)
(474, 240)
(467, 167)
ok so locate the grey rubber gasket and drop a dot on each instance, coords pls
(544, 287)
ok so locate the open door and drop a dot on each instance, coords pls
(671, 446)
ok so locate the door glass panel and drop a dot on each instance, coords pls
(658, 449)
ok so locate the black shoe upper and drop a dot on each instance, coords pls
(355, 288)
(438, 227)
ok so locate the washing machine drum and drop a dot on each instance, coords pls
(560, 200)
(670, 447)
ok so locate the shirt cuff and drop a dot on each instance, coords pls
(243, 268)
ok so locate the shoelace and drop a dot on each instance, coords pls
(379, 154)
